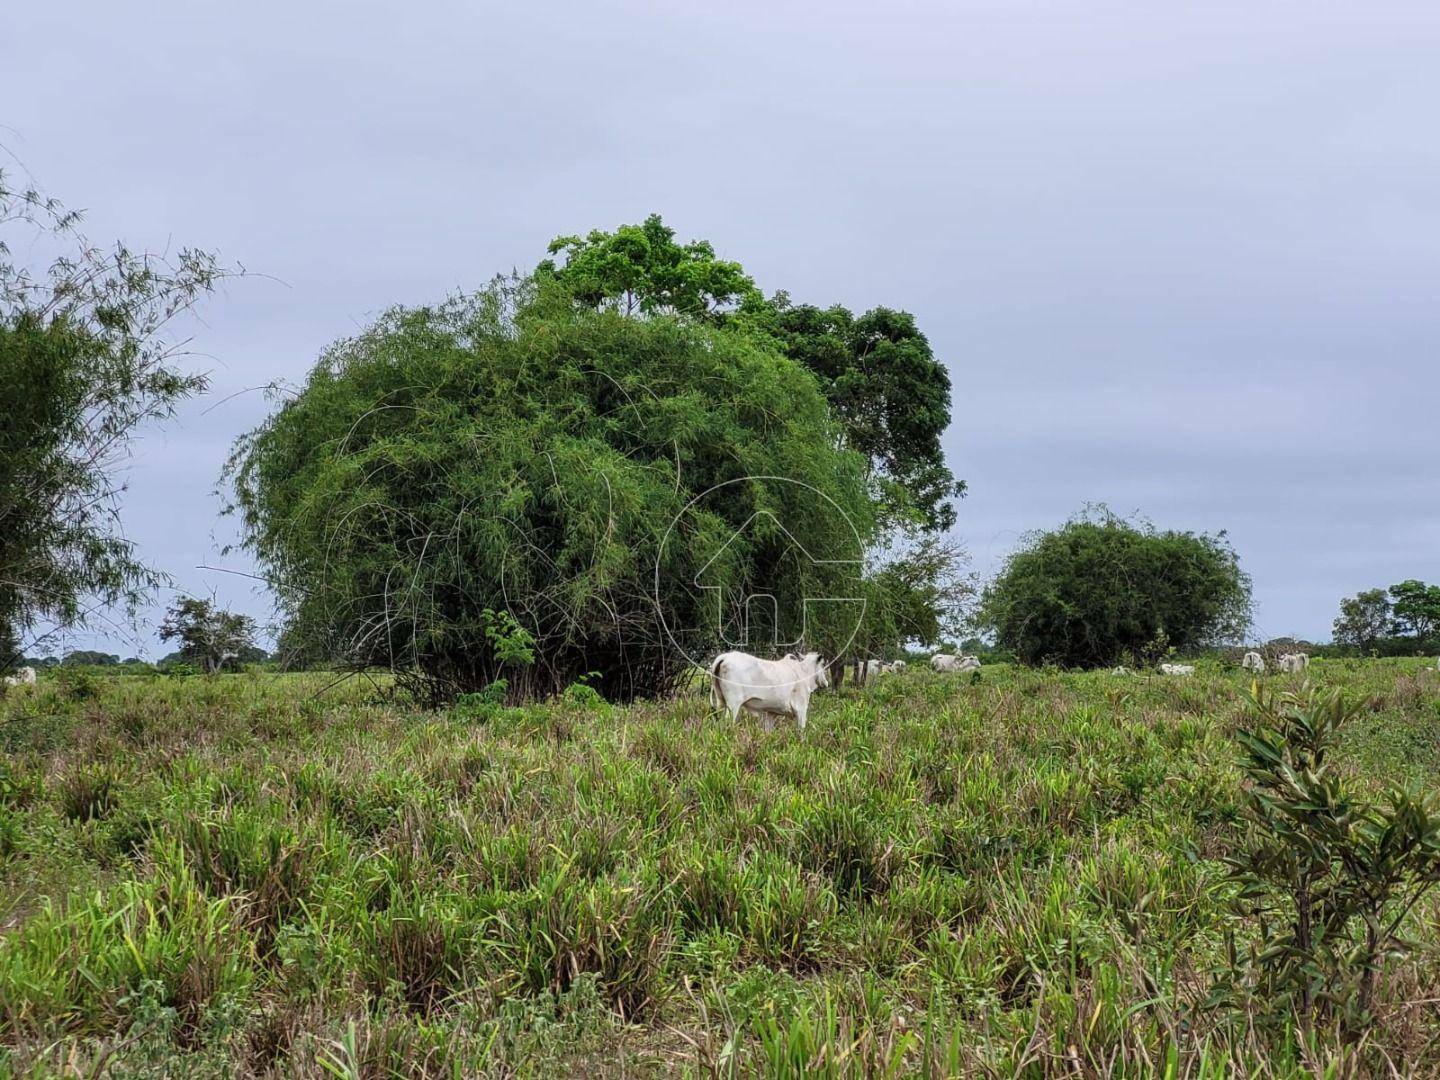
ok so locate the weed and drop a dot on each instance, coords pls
(266, 875)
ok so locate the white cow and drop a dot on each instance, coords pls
(767, 688)
(24, 677)
(874, 668)
(897, 666)
(957, 664)
(1177, 669)
(1294, 662)
(1253, 662)
(1120, 669)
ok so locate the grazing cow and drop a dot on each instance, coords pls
(767, 688)
(1253, 662)
(897, 667)
(956, 664)
(24, 677)
(874, 668)
(1120, 669)
(1177, 669)
(1294, 662)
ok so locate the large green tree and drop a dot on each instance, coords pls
(1100, 590)
(84, 363)
(1416, 607)
(1364, 620)
(890, 393)
(620, 486)
(878, 372)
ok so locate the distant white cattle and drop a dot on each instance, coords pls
(1177, 669)
(896, 667)
(1294, 662)
(1253, 662)
(956, 664)
(1120, 669)
(874, 668)
(767, 688)
(24, 677)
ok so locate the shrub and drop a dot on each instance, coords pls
(583, 695)
(1330, 877)
(1100, 590)
(506, 452)
(76, 684)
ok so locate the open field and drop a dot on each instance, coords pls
(255, 875)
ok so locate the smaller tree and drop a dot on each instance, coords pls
(1364, 620)
(86, 361)
(1100, 591)
(1417, 609)
(922, 595)
(1332, 877)
(208, 636)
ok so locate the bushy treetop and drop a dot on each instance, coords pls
(1100, 590)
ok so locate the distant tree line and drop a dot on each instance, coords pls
(1403, 620)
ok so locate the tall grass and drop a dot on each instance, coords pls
(246, 876)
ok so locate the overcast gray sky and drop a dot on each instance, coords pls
(1179, 258)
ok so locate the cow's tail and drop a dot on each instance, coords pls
(717, 699)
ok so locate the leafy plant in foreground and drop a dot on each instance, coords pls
(1330, 878)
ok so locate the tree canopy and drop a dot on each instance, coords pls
(83, 365)
(883, 382)
(1416, 607)
(1403, 620)
(889, 393)
(1100, 590)
(1364, 620)
(642, 269)
(209, 635)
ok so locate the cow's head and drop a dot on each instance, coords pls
(819, 668)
